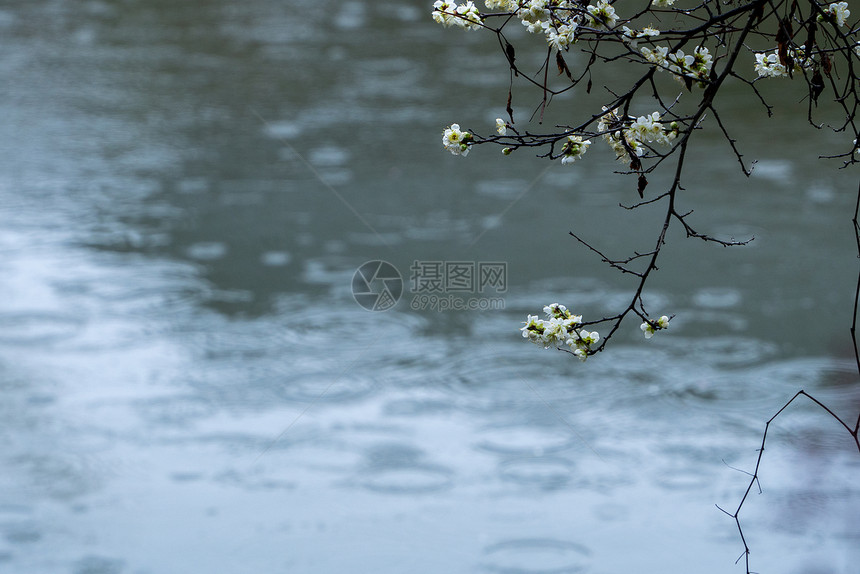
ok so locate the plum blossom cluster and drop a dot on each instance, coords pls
(563, 328)
(602, 14)
(560, 328)
(701, 52)
(632, 37)
(837, 12)
(452, 14)
(456, 141)
(628, 136)
(574, 148)
(557, 20)
(696, 65)
(770, 66)
(651, 327)
(535, 16)
(562, 36)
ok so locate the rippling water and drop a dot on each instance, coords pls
(189, 386)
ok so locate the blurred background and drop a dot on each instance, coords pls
(188, 385)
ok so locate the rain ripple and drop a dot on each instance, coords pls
(38, 328)
(546, 473)
(408, 480)
(525, 440)
(759, 391)
(536, 556)
(397, 468)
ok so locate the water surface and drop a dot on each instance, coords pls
(189, 386)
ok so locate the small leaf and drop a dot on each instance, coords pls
(562, 65)
(643, 182)
(783, 37)
(511, 55)
(816, 86)
(508, 108)
(810, 39)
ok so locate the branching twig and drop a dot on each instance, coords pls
(811, 42)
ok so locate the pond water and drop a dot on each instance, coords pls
(188, 384)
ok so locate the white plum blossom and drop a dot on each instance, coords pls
(632, 37)
(559, 27)
(589, 338)
(442, 11)
(612, 126)
(556, 310)
(559, 311)
(462, 15)
(649, 329)
(468, 16)
(562, 37)
(535, 16)
(556, 19)
(662, 3)
(696, 65)
(838, 12)
(501, 126)
(679, 62)
(622, 152)
(573, 149)
(650, 129)
(603, 14)
(455, 140)
(656, 56)
(610, 120)
(555, 332)
(768, 66)
(647, 128)
(533, 331)
(560, 328)
(702, 62)
(626, 135)
(507, 5)
(582, 342)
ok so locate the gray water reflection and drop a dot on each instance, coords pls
(189, 386)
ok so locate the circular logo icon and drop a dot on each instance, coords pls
(377, 285)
